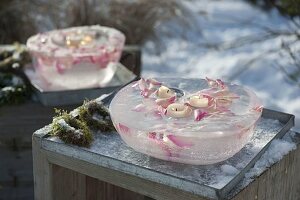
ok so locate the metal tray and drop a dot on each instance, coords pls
(72, 97)
(110, 151)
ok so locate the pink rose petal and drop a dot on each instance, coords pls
(60, 68)
(258, 108)
(158, 139)
(199, 114)
(220, 83)
(152, 135)
(153, 82)
(142, 84)
(216, 83)
(162, 110)
(179, 141)
(124, 129)
(165, 102)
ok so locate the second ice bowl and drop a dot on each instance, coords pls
(77, 57)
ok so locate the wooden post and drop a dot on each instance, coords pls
(58, 176)
(42, 169)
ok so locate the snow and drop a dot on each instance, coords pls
(229, 170)
(275, 152)
(182, 51)
(64, 125)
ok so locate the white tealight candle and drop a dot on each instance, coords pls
(198, 101)
(178, 110)
(165, 92)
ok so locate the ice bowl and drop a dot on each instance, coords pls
(77, 57)
(192, 121)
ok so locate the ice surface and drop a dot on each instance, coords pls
(229, 169)
(217, 175)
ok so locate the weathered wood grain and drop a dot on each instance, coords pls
(136, 184)
(99, 190)
(16, 193)
(16, 168)
(68, 184)
(42, 172)
(279, 182)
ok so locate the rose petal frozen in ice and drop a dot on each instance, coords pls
(158, 140)
(145, 88)
(180, 141)
(220, 83)
(258, 108)
(199, 114)
(153, 82)
(165, 102)
(124, 129)
(142, 84)
(146, 93)
(60, 68)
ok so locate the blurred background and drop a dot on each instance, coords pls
(251, 42)
(254, 42)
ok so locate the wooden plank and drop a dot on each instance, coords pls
(16, 193)
(280, 182)
(68, 184)
(262, 187)
(99, 190)
(135, 184)
(16, 168)
(42, 172)
(275, 182)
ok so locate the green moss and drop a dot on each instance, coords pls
(13, 90)
(96, 116)
(76, 133)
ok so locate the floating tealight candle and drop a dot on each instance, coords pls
(198, 101)
(78, 39)
(165, 92)
(178, 110)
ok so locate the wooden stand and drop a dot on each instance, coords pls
(63, 176)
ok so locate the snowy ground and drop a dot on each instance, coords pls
(182, 53)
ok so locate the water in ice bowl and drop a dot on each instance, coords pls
(76, 57)
(193, 121)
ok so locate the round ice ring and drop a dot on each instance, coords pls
(204, 135)
(77, 57)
